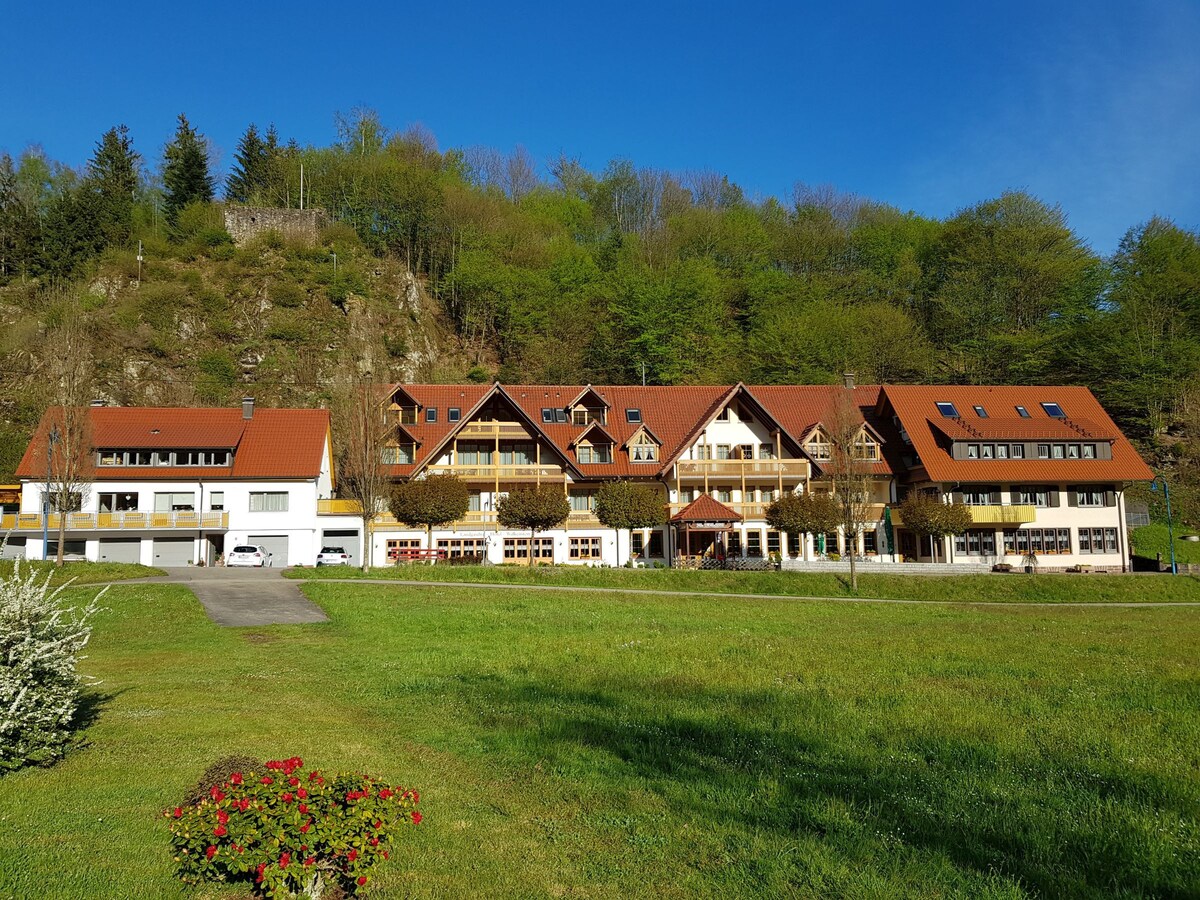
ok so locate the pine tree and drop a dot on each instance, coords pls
(249, 176)
(185, 173)
(113, 173)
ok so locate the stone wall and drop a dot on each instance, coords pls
(300, 225)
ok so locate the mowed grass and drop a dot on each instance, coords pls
(993, 588)
(583, 745)
(1151, 539)
(81, 572)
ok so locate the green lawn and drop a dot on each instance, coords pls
(1014, 588)
(583, 745)
(83, 572)
(1151, 539)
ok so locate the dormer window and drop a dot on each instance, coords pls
(633, 416)
(819, 446)
(1054, 411)
(594, 453)
(948, 410)
(643, 448)
(408, 415)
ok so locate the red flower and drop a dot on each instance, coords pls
(178, 812)
(216, 794)
(287, 797)
(313, 775)
(304, 828)
(284, 860)
(219, 831)
(266, 779)
(302, 794)
(244, 804)
(310, 860)
(210, 852)
(378, 825)
(374, 842)
(362, 879)
(416, 817)
(385, 794)
(222, 816)
(303, 808)
(352, 855)
(385, 854)
(293, 781)
(235, 778)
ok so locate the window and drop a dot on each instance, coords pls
(870, 544)
(723, 451)
(453, 414)
(1032, 496)
(1110, 540)
(774, 543)
(585, 548)
(431, 414)
(656, 545)
(177, 502)
(397, 456)
(754, 543)
(819, 447)
(268, 501)
(118, 503)
(744, 451)
(1002, 451)
(972, 451)
(112, 458)
(582, 501)
(767, 495)
(766, 451)
(977, 497)
(518, 548)
(794, 541)
(1037, 540)
(1089, 451)
(989, 451)
(547, 416)
(643, 450)
(1098, 540)
(1057, 451)
(636, 544)
(395, 546)
(474, 501)
(981, 412)
(1022, 412)
(1072, 451)
(517, 454)
(633, 416)
(456, 548)
(1043, 451)
(1018, 451)
(976, 542)
(723, 415)
(948, 410)
(597, 453)
(408, 415)
(1054, 411)
(471, 453)
(1089, 497)
(581, 415)
(735, 543)
(560, 417)
(216, 501)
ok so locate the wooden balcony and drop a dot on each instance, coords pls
(502, 473)
(338, 508)
(118, 521)
(990, 514)
(737, 468)
(493, 430)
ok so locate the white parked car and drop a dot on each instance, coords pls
(333, 556)
(246, 555)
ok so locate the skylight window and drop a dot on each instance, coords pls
(1022, 412)
(948, 410)
(431, 414)
(633, 416)
(981, 412)
(454, 414)
(547, 416)
(1054, 411)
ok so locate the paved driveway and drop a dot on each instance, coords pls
(242, 597)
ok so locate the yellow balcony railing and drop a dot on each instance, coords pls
(989, 514)
(116, 521)
(509, 473)
(736, 468)
(476, 430)
(337, 507)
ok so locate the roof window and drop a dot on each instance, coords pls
(1022, 412)
(431, 414)
(1054, 411)
(453, 414)
(633, 416)
(547, 416)
(948, 410)
(981, 412)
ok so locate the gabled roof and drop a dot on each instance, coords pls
(589, 390)
(587, 432)
(643, 429)
(272, 444)
(931, 433)
(757, 407)
(706, 508)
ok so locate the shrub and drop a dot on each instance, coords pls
(289, 830)
(40, 641)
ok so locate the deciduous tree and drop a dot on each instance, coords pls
(430, 502)
(801, 514)
(623, 505)
(535, 508)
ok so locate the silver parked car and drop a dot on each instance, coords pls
(246, 555)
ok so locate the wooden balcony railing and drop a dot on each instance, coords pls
(476, 430)
(509, 472)
(338, 507)
(116, 521)
(736, 468)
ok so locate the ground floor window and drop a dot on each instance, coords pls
(1098, 540)
(1021, 541)
(831, 542)
(976, 542)
(585, 548)
(796, 544)
(518, 548)
(754, 543)
(456, 547)
(774, 542)
(395, 546)
(735, 543)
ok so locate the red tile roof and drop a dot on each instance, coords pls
(706, 508)
(272, 444)
(929, 430)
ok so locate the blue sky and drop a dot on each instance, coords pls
(928, 106)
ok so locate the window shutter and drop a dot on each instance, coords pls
(956, 497)
(1110, 498)
(1072, 497)
(1054, 499)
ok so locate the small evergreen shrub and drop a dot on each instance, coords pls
(289, 831)
(40, 642)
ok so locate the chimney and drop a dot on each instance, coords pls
(247, 407)
(99, 401)
(848, 380)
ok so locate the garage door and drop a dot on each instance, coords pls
(347, 540)
(276, 544)
(125, 550)
(14, 549)
(173, 552)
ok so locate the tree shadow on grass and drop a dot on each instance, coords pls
(1045, 818)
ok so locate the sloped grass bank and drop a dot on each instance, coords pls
(576, 745)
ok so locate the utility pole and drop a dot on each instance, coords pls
(643, 365)
(302, 185)
(51, 440)
(139, 262)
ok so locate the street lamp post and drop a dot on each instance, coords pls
(1170, 527)
(51, 439)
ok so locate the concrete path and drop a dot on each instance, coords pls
(245, 597)
(396, 582)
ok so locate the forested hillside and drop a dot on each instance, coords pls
(566, 275)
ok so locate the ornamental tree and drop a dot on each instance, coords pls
(432, 501)
(930, 517)
(623, 505)
(536, 508)
(800, 514)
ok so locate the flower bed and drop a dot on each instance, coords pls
(290, 830)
